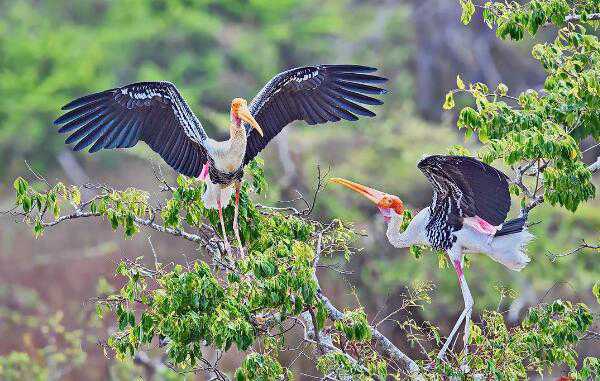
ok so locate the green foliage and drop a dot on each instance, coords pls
(342, 367)
(590, 370)
(193, 305)
(354, 325)
(42, 208)
(261, 368)
(236, 302)
(596, 291)
(543, 128)
(546, 337)
(513, 19)
(468, 9)
(229, 302)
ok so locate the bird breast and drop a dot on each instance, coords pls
(228, 155)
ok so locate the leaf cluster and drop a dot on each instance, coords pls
(232, 302)
(354, 325)
(547, 337)
(542, 129)
(261, 367)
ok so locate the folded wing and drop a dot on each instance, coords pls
(479, 189)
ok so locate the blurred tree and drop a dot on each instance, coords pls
(213, 50)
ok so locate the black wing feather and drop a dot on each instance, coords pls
(314, 94)
(153, 112)
(480, 189)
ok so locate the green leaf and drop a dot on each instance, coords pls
(468, 10)
(38, 228)
(26, 203)
(502, 89)
(239, 375)
(75, 195)
(459, 83)
(449, 102)
(21, 185)
(321, 315)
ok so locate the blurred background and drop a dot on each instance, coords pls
(53, 51)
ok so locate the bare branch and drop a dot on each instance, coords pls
(387, 346)
(590, 17)
(37, 175)
(583, 245)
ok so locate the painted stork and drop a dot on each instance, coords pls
(157, 114)
(470, 204)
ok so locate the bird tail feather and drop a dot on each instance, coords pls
(513, 226)
(509, 249)
(211, 195)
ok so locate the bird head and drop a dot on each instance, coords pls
(240, 111)
(385, 202)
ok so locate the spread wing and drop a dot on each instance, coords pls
(479, 189)
(153, 112)
(315, 94)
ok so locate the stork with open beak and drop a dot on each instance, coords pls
(156, 113)
(470, 204)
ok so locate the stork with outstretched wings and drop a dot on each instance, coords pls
(467, 214)
(157, 114)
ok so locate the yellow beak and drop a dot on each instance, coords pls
(246, 116)
(372, 194)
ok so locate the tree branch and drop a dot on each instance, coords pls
(593, 168)
(139, 221)
(590, 17)
(583, 245)
(387, 346)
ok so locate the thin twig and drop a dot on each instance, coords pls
(583, 245)
(388, 347)
(37, 175)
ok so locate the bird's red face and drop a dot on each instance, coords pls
(385, 202)
(240, 111)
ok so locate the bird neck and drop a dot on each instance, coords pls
(237, 131)
(414, 233)
(237, 139)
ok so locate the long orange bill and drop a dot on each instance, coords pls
(372, 194)
(246, 116)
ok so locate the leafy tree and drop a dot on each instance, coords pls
(251, 303)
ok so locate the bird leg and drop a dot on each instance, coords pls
(465, 315)
(225, 240)
(235, 217)
(469, 308)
